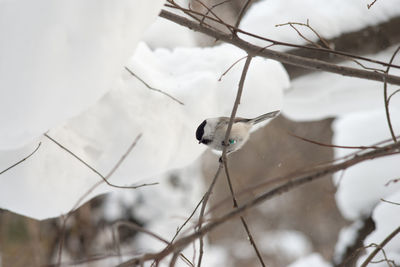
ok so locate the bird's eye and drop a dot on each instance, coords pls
(232, 141)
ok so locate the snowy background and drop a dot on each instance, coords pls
(62, 73)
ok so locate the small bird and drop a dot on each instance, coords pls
(211, 132)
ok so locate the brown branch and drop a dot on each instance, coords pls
(242, 219)
(220, 166)
(152, 88)
(288, 186)
(280, 56)
(330, 145)
(206, 197)
(22, 160)
(386, 99)
(105, 178)
(392, 94)
(392, 181)
(225, 160)
(210, 10)
(324, 42)
(242, 12)
(234, 63)
(370, 5)
(291, 24)
(380, 247)
(296, 172)
(390, 202)
(138, 228)
(190, 13)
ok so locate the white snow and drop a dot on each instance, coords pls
(52, 181)
(177, 36)
(328, 18)
(313, 260)
(60, 57)
(290, 243)
(362, 186)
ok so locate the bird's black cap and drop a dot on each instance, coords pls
(200, 131)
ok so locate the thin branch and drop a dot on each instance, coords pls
(213, 32)
(206, 197)
(386, 99)
(390, 202)
(105, 178)
(187, 220)
(138, 228)
(330, 145)
(242, 12)
(242, 219)
(210, 10)
(283, 57)
(392, 181)
(296, 172)
(380, 247)
(291, 24)
(288, 186)
(225, 160)
(310, 28)
(322, 40)
(152, 88)
(191, 13)
(228, 131)
(392, 94)
(234, 63)
(370, 5)
(22, 160)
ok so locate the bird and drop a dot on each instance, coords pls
(211, 132)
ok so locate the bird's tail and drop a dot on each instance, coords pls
(268, 115)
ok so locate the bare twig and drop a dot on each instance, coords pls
(22, 160)
(231, 66)
(242, 219)
(105, 178)
(138, 228)
(225, 160)
(210, 10)
(323, 41)
(288, 186)
(242, 12)
(386, 99)
(152, 88)
(390, 202)
(233, 114)
(206, 197)
(392, 181)
(330, 145)
(284, 57)
(370, 5)
(191, 13)
(204, 29)
(380, 247)
(392, 94)
(187, 220)
(291, 24)
(296, 172)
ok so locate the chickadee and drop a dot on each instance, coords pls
(211, 132)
